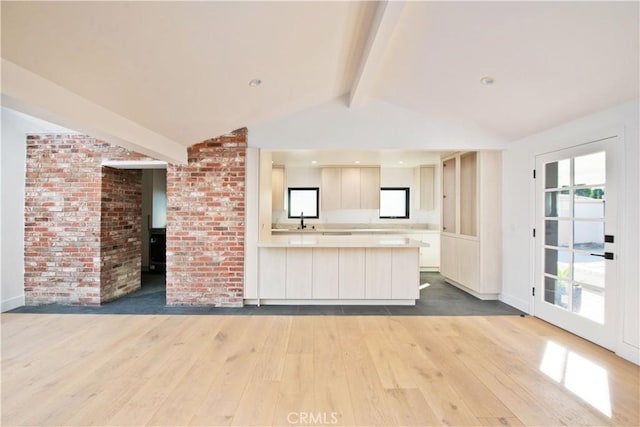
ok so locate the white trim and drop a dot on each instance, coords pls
(11, 303)
(628, 352)
(613, 142)
(135, 164)
(484, 297)
(518, 303)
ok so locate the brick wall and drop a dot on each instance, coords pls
(63, 211)
(121, 232)
(205, 224)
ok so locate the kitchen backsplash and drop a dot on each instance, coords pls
(361, 216)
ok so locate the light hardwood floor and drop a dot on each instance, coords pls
(85, 370)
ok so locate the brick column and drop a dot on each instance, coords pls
(205, 224)
(69, 255)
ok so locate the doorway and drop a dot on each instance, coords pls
(576, 268)
(154, 222)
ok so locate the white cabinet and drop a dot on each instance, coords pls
(430, 255)
(299, 273)
(449, 195)
(369, 188)
(350, 188)
(448, 259)
(272, 273)
(338, 275)
(378, 273)
(427, 183)
(405, 273)
(325, 273)
(331, 188)
(468, 214)
(351, 270)
(277, 189)
(471, 236)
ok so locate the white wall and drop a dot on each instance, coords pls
(15, 127)
(377, 125)
(518, 210)
(159, 209)
(389, 177)
(253, 218)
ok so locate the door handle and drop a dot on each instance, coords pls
(606, 255)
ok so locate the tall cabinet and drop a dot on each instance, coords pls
(471, 239)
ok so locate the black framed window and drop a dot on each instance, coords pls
(303, 201)
(394, 202)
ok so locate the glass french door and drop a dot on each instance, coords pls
(576, 239)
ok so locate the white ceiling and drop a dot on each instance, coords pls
(180, 70)
(551, 61)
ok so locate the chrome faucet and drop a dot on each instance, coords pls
(302, 225)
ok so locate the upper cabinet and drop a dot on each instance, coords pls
(350, 188)
(427, 183)
(369, 188)
(330, 190)
(468, 194)
(449, 195)
(277, 188)
(471, 222)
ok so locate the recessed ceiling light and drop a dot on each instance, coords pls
(255, 82)
(313, 162)
(487, 81)
(400, 162)
(357, 162)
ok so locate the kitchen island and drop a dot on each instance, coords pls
(343, 270)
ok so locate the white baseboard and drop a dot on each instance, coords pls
(628, 352)
(11, 303)
(484, 297)
(515, 302)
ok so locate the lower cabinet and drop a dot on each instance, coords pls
(430, 255)
(351, 270)
(461, 262)
(299, 267)
(405, 277)
(325, 273)
(339, 273)
(272, 274)
(378, 273)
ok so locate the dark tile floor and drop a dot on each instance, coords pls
(438, 299)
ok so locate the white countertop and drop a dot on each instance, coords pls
(304, 239)
(320, 230)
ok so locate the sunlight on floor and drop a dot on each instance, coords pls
(579, 375)
(425, 285)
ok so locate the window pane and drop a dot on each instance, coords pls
(557, 233)
(557, 263)
(589, 202)
(588, 269)
(588, 302)
(303, 201)
(557, 174)
(590, 169)
(556, 204)
(394, 203)
(588, 236)
(556, 292)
